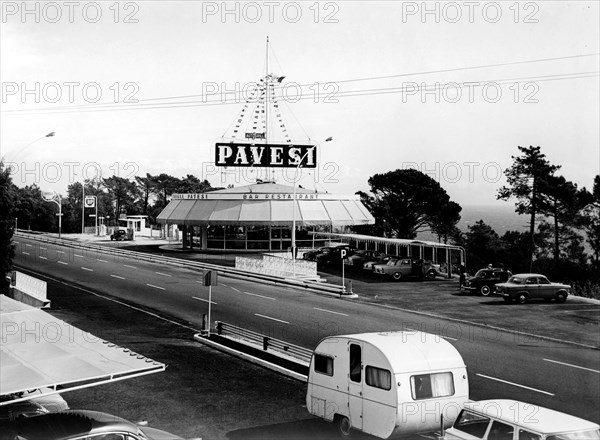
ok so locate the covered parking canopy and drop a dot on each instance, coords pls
(40, 351)
(265, 204)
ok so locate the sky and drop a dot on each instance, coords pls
(449, 88)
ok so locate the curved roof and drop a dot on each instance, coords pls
(412, 351)
(265, 204)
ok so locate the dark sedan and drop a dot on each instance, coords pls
(485, 280)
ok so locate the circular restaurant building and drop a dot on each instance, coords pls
(260, 216)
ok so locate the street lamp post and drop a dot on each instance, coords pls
(51, 196)
(294, 201)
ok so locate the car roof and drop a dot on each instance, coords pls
(529, 275)
(532, 417)
(67, 424)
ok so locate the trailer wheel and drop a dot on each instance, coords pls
(343, 424)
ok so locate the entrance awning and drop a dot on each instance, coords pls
(265, 204)
(39, 351)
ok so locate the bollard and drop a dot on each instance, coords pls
(265, 343)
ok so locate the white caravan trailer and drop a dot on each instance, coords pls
(387, 384)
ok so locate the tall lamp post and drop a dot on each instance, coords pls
(51, 196)
(294, 199)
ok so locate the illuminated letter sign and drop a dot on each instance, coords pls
(265, 155)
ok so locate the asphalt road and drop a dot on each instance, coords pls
(501, 364)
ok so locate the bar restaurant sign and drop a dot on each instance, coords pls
(265, 155)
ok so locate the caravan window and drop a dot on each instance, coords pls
(324, 364)
(378, 378)
(355, 362)
(426, 386)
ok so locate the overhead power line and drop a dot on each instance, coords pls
(238, 99)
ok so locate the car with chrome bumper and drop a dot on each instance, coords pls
(527, 286)
(485, 280)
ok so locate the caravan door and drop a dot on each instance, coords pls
(355, 385)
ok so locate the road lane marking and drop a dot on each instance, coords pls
(260, 296)
(117, 276)
(205, 300)
(131, 267)
(156, 287)
(102, 261)
(237, 290)
(43, 248)
(26, 253)
(59, 252)
(574, 366)
(514, 384)
(163, 274)
(329, 311)
(28, 245)
(583, 310)
(80, 256)
(274, 319)
(87, 268)
(43, 258)
(62, 262)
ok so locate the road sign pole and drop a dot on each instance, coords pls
(209, 304)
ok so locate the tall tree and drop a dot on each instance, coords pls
(7, 225)
(560, 202)
(146, 189)
(444, 223)
(121, 192)
(405, 202)
(164, 185)
(589, 219)
(526, 183)
(482, 244)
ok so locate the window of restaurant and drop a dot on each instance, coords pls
(258, 237)
(215, 237)
(235, 237)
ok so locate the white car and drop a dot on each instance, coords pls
(513, 420)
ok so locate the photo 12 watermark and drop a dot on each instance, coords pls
(454, 172)
(490, 92)
(70, 92)
(53, 172)
(70, 12)
(253, 92)
(470, 12)
(270, 12)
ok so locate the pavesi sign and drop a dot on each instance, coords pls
(265, 155)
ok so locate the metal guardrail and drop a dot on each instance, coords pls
(179, 262)
(266, 342)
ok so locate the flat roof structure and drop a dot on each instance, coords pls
(41, 351)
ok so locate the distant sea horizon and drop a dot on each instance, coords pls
(501, 218)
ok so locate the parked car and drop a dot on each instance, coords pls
(360, 257)
(513, 420)
(333, 255)
(310, 255)
(80, 424)
(381, 259)
(18, 410)
(398, 268)
(485, 280)
(38, 403)
(526, 286)
(119, 234)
